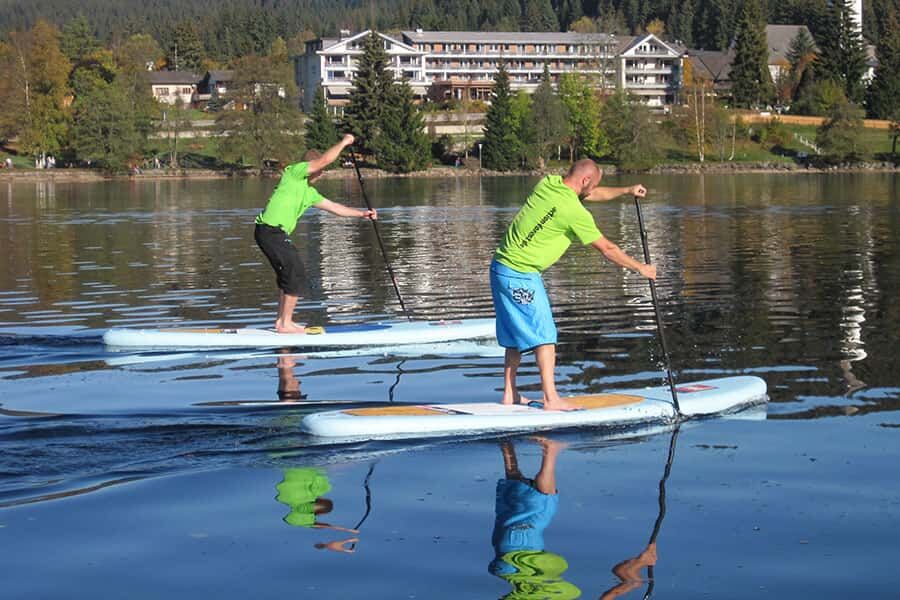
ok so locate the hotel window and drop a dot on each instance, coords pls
(186, 90)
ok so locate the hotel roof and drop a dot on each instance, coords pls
(504, 37)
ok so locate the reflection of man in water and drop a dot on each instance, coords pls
(303, 490)
(524, 509)
(288, 384)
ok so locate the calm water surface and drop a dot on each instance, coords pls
(155, 474)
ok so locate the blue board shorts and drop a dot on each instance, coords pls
(524, 319)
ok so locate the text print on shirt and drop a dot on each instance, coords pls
(540, 225)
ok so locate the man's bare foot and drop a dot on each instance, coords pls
(560, 404)
(518, 399)
(289, 327)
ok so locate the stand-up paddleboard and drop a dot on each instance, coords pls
(332, 336)
(614, 408)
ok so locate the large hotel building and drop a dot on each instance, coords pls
(442, 65)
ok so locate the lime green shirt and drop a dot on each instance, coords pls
(552, 218)
(291, 198)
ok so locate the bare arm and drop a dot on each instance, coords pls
(603, 194)
(615, 254)
(330, 155)
(336, 208)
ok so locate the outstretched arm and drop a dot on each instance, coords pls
(330, 155)
(336, 208)
(615, 254)
(602, 194)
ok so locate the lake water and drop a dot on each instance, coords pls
(153, 474)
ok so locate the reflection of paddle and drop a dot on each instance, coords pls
(368, 503)
(659, 325)
(662, 507)
(362, 186)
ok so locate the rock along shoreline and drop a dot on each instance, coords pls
(93, 175)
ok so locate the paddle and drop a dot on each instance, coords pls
(659, 324)
(362, 186)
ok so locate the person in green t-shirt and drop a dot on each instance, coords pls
(553, 217)
(274, 225)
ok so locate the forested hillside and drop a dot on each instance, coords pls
(230, 28)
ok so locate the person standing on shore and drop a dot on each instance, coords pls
(552, 218)
(274, 226)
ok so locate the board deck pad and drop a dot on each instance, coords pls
(331, 336)
(614, 408)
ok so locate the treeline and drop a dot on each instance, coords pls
(66, 95)
(573, 120)
(226, 29)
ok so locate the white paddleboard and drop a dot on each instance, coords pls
(333, 336)
(614, 408)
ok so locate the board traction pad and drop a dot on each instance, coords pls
(594, 401)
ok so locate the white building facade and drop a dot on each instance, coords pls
(459, 65)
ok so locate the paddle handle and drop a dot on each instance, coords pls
(659, 323)
(362, 187)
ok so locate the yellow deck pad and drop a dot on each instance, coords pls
(199, 330)
(406, 411)
(604, 400)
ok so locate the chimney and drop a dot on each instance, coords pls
(344, 33)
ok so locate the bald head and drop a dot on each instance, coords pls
(583, 176)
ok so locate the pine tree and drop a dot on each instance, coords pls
(186, 51)
(712, 26)
(751, 82)
(548, 118)
(538, 15)
(78, 41)
(321, 132)
(801, 54)
(502, 146)
(842, 57)
(403, 145)
(883, 100)
(369, 96)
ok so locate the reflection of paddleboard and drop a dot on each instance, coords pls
(482, 349)
(619, 407)
(364, 334)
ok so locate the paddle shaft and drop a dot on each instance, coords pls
(659, 323)
(362, 186)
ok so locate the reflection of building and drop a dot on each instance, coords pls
(462, 64)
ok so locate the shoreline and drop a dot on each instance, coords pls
(713, 168)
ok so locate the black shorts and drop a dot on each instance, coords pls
(283, 257)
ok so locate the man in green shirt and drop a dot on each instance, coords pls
(274, 225)
(553, 217)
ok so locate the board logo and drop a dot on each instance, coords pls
(696, 387)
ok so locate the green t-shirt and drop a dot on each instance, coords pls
(290, 199)
(552, 218)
